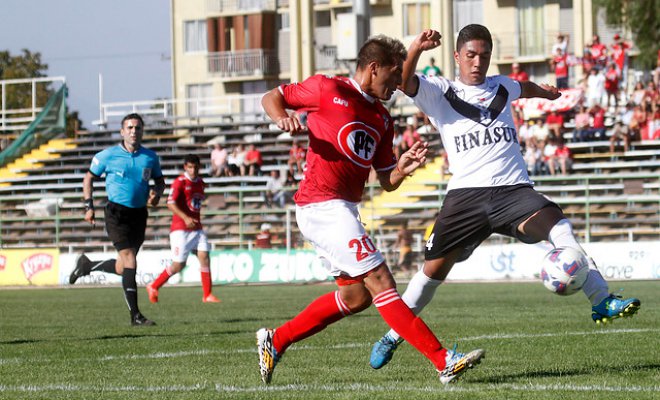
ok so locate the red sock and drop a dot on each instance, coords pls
(399, 317)
(320, 313)
(162, 278)
(206, 281)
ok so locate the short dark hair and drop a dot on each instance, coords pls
(132, 116)
(382, 49)
(192, 159)
(473, 32)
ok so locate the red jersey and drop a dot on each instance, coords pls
(348, 134)
(554, 119)
(188, 196)
(619, 54)
(520, 76)
(561, 66)
(254, 155)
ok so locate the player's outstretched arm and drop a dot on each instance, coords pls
(409, 161)
(531, 89)
(274, 105)
(428, 39)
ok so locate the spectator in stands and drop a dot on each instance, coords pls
(598, 52)
(219, 161)
(526, 134)
(263, 239)
(410, 134)
(275, 192)
(432, 69)
(540, 132)
(236, 161)
(186, 232)
(555, 122)
(652, 93)
(595, 87)
(611, 84)
(253, 160)
(397, 139)
(562, 158)
(549, 155)
(296, 158)
(582, 125)
(533, 159)
(403, 243)
(588, 63)
(559, 63)
(638, 94)
(638, 123)
(561, 44)
(654, 121)
(620, 132)
(597, 128)
(619, 52)
(128, 168)
(518, 73)
(424, 126)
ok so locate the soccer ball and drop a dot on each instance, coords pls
(564, 271)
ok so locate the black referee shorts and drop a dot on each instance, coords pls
(469, 216)
(125, 226)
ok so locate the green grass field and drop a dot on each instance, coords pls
(77, 344)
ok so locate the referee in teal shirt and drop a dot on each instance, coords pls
(128, 167)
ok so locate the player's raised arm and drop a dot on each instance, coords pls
(428, 39)
(531, 89)
(274, 105)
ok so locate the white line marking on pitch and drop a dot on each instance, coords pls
(162, 355)
(476, 388)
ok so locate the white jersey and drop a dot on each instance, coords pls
(476, 128)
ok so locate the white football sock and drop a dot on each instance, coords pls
(595, 287)
(418, 294)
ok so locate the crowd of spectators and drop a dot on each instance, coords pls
(610, 110)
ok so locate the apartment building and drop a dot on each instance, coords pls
(226, 48)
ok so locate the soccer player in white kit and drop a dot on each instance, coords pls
(489, 190)
(350, 132)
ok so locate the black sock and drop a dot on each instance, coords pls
(104, 266)
(130, 290)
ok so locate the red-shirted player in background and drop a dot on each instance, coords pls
(350, 132)
(186, 232)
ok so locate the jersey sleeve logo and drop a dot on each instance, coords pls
(358, 141)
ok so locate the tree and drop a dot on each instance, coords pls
(26, 65)
(640, 17)
(29, 65)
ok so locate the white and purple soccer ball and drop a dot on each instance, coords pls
(564, 271)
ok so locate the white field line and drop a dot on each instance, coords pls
(177, 354)
(475, 388)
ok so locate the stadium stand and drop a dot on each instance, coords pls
(612, 196)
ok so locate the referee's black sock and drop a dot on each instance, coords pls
(104, 266)
(130, 290)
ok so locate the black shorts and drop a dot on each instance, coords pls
(469, 216)
(125, 226)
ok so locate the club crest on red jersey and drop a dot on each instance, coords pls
(358, 141)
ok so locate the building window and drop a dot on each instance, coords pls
(531, 27)
(468, 12)
(196, 98)
(194, 36)
(416, 17)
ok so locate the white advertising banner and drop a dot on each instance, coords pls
(616, 261)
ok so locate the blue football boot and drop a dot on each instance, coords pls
(383, 350)
(614, 306)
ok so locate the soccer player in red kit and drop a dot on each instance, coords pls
(350, 132)
(186, 231)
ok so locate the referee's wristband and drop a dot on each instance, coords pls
(89, 204)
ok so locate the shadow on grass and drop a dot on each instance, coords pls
(590, 370)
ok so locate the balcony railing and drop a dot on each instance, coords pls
(242, 6)
(255, 63)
